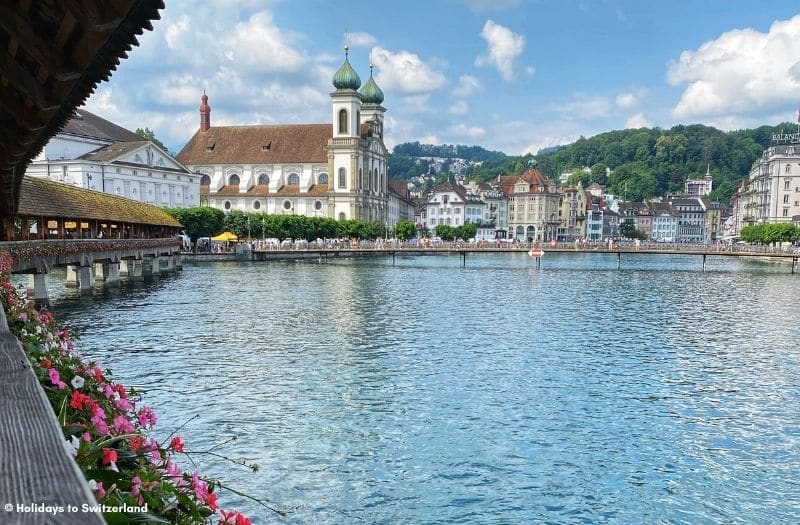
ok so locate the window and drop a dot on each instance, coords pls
(226, 205)
(445, 199)
(317, 205)
(788, 168)
(341, 216)
(375, 186)
(786, 212)
(342, 121)
(342, 178)
(263, 179)
(205, 180)
(233, 180)
(786, 199)
(360, 178)
(323, 178)
(256, 205)
(287, 205)
(294, 179)
(786, 183)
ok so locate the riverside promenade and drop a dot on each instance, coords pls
(258, 251)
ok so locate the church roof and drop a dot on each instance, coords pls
(115, 150)
(261, 144)
(86, 124)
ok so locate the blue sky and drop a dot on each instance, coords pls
(512, 75)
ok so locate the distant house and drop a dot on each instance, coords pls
(533, 203)
(94, 153)
(665, 222)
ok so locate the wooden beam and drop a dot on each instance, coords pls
(96, 15)
(35, 46)
(26, 83)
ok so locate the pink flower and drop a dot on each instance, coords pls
(147, 417)
(174, 472)
(98, 488)
(122, 425)
(87, 437)
(200, 487)
(233, 518)
(124, 404)
(136, 489)
(211, 501)
(176, 444)
(99, 421)
(56, 379)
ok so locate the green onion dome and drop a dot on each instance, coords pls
(371, 93)
(346, 77)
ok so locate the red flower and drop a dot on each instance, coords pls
(233, 518)
(119, 389)
(46, 363)
(78, 400)
(137, 443)
(211, 501)
(109, 455)
(176, 444)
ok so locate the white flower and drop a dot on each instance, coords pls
(92, 484)
(72, 445)
(77, 382)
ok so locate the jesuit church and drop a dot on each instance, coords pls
(336, 170)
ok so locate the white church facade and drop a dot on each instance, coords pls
(336, 170)
(97, 154)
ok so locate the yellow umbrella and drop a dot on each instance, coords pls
(225, 236)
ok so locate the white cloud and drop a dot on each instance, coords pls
(630, 99)
(741, 71)
(637, 121)
(361, 40)
(175, 32)
(583, 107)
(467, 85)
(259, 43)
(463, 131)
(460, 107)
(504, 47)
(405, 72)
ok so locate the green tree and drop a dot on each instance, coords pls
(466, 231)
(148, 134)
(404, 230)
(581, 177)
(199, 221)
(445, 232)
(599, 174)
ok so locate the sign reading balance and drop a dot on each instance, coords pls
(786, 138)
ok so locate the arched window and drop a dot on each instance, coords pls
(287, 205)
(360, 178)
(256, 205)
(317, 205)
(294, 179)
(234, 180)
(205, 180)
(226, 205)
(341, 216)
(342, 121)
(323, 178)
(375, 179)
(342, 178)
(263, 179)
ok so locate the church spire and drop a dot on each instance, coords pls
(205, 113)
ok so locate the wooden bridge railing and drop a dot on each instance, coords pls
(39, 481)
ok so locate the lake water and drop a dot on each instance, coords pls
(425, 392)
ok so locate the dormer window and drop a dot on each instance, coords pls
(267, 146)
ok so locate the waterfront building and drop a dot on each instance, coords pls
(572, 212)
(400, 205)
(594, 221)
(713, 220)
(639, 214)
(446, 204)
(94, 153)
(533, 203)
(611, 222)
(664, 222)
(771, 192)
(691, 225)
(336, 169)
(495, 210)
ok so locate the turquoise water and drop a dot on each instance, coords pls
(497, 393)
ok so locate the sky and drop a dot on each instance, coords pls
(509, 75)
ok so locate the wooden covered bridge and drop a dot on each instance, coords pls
(52, 56)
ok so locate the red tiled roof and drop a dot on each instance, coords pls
(278, 144)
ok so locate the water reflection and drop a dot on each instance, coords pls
(430, 393)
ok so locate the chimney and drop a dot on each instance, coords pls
(205, 113)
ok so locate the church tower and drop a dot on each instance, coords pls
(205, 113)
(371, 110)
(346, 101)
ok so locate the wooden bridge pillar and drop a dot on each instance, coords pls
(100, 271)
(125, 268)
(135, 270)
(112, 274)
(85, 278)
(178, 261)
(150, 265)
(37, 287)
(71, 280)
(170, 266)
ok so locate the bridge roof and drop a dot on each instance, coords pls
(53, 56)
(44, 198)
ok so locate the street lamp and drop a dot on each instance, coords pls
(248, 228)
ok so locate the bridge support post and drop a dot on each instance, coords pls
(178, 260)
(135, 270)
(71, 280)
(101, 271)
(148, 266)
(85, 278)
(704, 262)
(112, 275)
(170, 260)
(37, 283)
(619, 260)
(124, 268)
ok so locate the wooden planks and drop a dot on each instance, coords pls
(35, 469)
